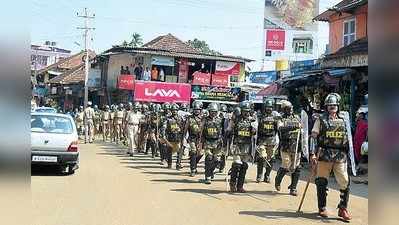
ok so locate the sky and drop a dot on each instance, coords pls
(233, 27)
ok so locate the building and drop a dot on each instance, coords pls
(171, 61)
(289, 32)
(47, 54)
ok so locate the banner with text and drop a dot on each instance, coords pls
(126, 82)
(275, 39)
(201, 78)
(220, 80)
(215, 93)
(227, 68)
(149, 91)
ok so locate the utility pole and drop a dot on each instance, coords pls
(86, 30)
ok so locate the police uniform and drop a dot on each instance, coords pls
(193, 127)
(96, 120)
(89, 124)
(330, 134)
(212, 143)
(173, 134)
(105, 120)
(266, 140)
(290, 148)
(153, 129)
(79, 121)
(133, 120)
(243, 131)
(119, 124)
(112, 124)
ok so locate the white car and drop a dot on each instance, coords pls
(54, 141)
(45, 109)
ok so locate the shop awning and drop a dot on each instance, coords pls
(270, 90)
(339, 72)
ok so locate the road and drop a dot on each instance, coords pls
(111, 188)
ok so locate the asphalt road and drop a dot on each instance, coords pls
(111, 188)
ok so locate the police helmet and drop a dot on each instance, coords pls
(245, 106)
(223, 108)
(332, 99)
(106, 106)
(157, 108)
(136, 105)
(184, 106)
(197, 105)
(213, 107)
(286, 104)
(145, 107)
(268, 103)
(96, 106)
(89, 103)
(166, 106)
(174, 107)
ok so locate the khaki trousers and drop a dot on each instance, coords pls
(132, 132)
(340, 172)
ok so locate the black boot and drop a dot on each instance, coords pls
(294, 182)
(269, 168)
(169, 156)
(193, 163)
(241, 177)
(208, 168)
(321, 186)
(279, 177)
(222, 163)
(178, 161)
(235, 169)
(344, 196)
(260, 164)
(199, 157)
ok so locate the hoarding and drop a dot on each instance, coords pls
(227, 68)
(275, 39)
(220, 80)
(149, 91)
(126, 82)
(215, 93)
(201, 78)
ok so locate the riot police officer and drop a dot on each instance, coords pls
(105, 119)
(243, 130)
(290, 147)
(330, 134)
(153, 128)
(172, 133)
(144, 129)
(212, 141)
(163, 117)
(225, 120)
(267, 133)
(193, 127)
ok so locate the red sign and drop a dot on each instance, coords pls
(183, 70)
(227, 68)
(275, 39)
(149, 91)
(126, 82)
(201, 78)
(220, 80)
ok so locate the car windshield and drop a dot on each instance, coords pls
(51, 124)
(46, 110)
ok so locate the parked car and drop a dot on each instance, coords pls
(46, 109)
(54, 141)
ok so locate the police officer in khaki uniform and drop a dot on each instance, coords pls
(212, 140)
(112, 123)
(329, 132)
(118, 121)
(243, 130)
(96, 120)
(193, 127)
(289, 129)
(132, 123)
(89, 124)
(105, 120)
(267, 133)
(172, 134)
(79, 120)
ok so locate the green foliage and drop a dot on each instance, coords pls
(202, 46)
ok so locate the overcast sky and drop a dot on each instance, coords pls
(228, 26)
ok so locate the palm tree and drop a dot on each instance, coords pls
(136, 41)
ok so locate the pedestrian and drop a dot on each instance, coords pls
(172, 133)
(154, 73)
(331, 155)
(267, 141)
(243, 132)
(138, 71)
(212, 140)
(133, 121)
(147, 74)
(360, 133)
(88, 122)
(193, 127)
(161, 75)
(127, 71)
(289, 129)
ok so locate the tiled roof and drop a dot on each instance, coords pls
(359, 46)
(68, 63)
(343, 6)
(75, 75)
(169, 43)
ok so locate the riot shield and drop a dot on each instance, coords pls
(349, 134)
(305, 134)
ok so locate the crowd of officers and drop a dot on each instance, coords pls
(218, 132)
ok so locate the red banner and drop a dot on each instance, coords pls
(126, 82)
(275, 39)
(220, 80)
(149, 91)
(201, 78)
(183, 70)
(227, 68)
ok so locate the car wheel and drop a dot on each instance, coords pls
(71, 170)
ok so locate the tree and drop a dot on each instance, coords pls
(202, 46)
(136, 41)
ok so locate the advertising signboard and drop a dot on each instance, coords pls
(149, 91)
(275, 39)
(220, 80)
(201, 78)
(215, 93)
(227, 68)
(126, 82)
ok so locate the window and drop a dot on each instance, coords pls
(349, 32)
(303, 45)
